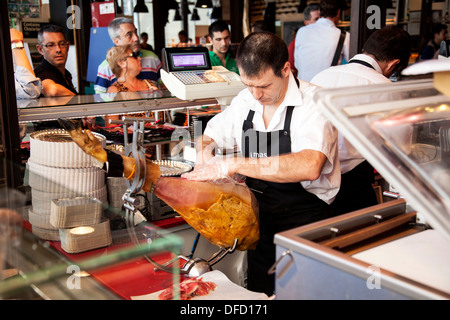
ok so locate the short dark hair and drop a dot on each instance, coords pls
(438, 27)
(310, 8)
(389, 43)
(217, 26)
(50, 28)
(260, 25)
(330, 8)
(260, 51)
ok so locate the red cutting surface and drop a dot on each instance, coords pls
(130, 278)
(135, 277)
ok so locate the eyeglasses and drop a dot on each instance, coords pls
(52, 45)
(129, 35)
(134, 55)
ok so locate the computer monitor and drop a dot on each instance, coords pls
(186, 59)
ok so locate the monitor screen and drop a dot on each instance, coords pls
(186, 59)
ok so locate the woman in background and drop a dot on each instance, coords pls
(126, 65)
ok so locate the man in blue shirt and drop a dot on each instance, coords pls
(220, 38)
(123, 32)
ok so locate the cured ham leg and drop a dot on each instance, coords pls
(220, 211)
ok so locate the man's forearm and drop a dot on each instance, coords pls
(306, 165)
(52, 89)
(205, 147)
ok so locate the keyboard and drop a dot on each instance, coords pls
(198, 77)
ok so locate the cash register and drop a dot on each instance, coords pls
(188, 74)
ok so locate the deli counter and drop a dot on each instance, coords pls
(398, 249)
(69, 234)
(395, 250)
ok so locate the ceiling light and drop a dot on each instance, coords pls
(195, 16)
(216, 13)
(140, 6)
(172, 4)
(203, 4)
(177, 16)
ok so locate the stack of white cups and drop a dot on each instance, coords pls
(58, 168)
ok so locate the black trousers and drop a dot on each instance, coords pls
(356, 191)
(280, 210)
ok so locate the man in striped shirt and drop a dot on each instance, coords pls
(123, 32)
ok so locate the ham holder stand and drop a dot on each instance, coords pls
(193, 267)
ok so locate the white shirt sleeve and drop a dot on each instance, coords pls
(311, 130)
(27, 85)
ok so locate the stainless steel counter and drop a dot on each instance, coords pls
(395, 250)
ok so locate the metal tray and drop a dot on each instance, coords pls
(172, 168)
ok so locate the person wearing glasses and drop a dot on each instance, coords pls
(123, 32)
(54, 47)
(126, 66)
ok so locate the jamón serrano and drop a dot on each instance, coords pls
(189, 289)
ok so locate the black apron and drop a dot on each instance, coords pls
(356, 191)
(282, 206)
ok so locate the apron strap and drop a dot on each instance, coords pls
(248, 123)
(297, 82)
(364, 63)
(287, 120)
(250, 115)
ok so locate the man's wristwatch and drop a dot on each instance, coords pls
(17, 44)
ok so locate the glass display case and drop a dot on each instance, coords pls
(103, 104)
(397, 249)
(91, 261)
(68, 233)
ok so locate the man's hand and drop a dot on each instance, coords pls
(214, 169)
(52, 89)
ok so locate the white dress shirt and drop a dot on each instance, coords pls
(26, 83)
(309, 130)
(351, 74)
(315, 45)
